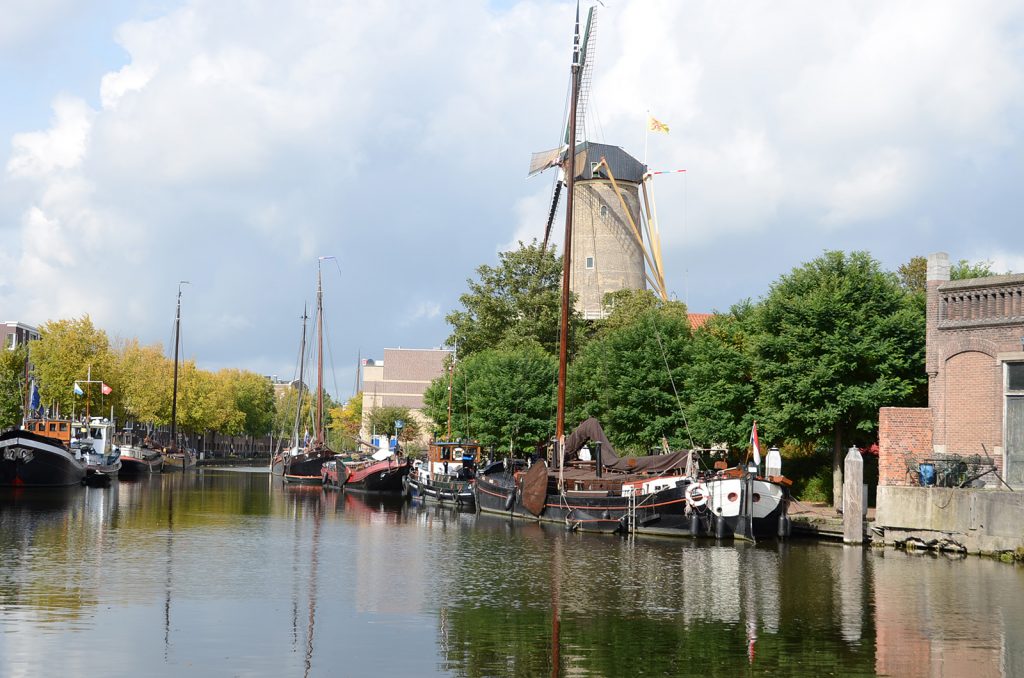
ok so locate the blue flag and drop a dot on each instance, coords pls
(78, 390)
(34, 400)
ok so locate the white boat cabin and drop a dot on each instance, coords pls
(446, 460)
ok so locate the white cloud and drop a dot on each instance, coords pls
(62, 147)
(232, 147)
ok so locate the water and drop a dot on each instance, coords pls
(219, 573)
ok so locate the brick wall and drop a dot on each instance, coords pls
(904, 440)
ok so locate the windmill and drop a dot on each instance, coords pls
(610, 252)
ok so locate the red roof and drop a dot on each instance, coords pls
(698, 319)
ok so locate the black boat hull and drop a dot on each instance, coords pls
(388, 481)
(307, 468)
(587, 512)
(30, 460)
(453, 493)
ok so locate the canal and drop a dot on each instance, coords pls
(228, 573)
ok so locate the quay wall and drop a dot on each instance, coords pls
(982, 520)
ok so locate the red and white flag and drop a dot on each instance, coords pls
(105, 390)
(756, 444)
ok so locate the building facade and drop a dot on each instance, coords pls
(14, 334)
(399, 380)
(975, 366)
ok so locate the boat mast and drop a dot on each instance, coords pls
(451, 378)
(302, 361)
(319, 356)
(174, 392)
(570, 171)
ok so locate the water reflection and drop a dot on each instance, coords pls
(216, 573)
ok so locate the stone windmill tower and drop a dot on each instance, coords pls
(608, 244)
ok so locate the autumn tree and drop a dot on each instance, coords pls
(346, 421)
(66, 352)
(143, 380)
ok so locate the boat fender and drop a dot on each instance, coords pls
(719, 526)
(510, 502)
(694, 524)
(696, 495)
(606, 515)
(783, 526)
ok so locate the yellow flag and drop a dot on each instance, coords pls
(656, 125)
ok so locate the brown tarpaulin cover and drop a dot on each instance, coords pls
(590, 430)
(535, 488)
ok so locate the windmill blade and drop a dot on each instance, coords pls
(588, 50)
(542, 160)
(551, 214)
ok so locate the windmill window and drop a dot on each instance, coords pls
(604, 210)
(590, 262)
(595, 169)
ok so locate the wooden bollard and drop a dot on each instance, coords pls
(853, 498)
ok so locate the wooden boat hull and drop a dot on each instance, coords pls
(384, 477)
(31, 460)
(179, 460)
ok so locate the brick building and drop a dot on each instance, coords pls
(975, 366)
(14, 334)
(399, 380)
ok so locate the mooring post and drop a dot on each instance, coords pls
(853, 498)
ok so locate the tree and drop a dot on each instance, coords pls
(624, 376)
(65, 353)
(517, 301)
(913, 275)
(503, 397)
(143, 380)
(837, 339)
(965, 270)
(384, 419)
(12, 386)
(253, 396)
(720, 387)
(346, 421)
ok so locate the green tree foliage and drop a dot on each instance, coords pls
(503, 397)
(621, 377)
(253, 396)
(383, 420)
(64, 353)
(515, 302)
(837, 339)
(12, 386)
(966, 270)
(720, 388)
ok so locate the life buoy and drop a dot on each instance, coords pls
(697, 495)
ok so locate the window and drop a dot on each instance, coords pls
(590, 262)
(53, 427)
(604, 210)
(63, 427)
(1015, 376)
(594, 169)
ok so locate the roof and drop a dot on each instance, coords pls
(698, 319)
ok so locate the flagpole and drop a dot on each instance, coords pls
(647, 134)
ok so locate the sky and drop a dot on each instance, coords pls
(230, 144)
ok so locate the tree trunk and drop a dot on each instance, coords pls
(837, 468)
